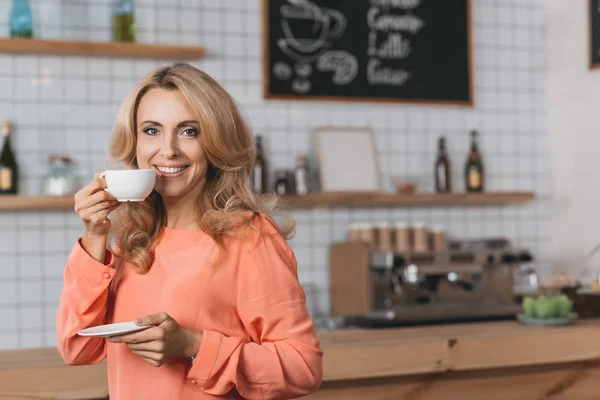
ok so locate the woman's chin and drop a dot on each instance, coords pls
(172, 192)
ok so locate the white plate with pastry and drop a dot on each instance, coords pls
(120, 328)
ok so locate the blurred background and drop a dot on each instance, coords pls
(439, 157)
(498, 93)
(530, 128)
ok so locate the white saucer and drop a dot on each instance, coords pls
(109, 330)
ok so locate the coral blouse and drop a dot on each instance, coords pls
(258, 340)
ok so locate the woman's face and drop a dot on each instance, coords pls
(168, 141)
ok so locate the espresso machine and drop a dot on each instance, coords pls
(470, 280)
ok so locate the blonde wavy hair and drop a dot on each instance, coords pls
(226, 201)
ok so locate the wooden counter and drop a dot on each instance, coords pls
(504, 360)
(495, 361)
(42, 374)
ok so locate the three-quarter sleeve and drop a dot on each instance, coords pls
(282, 359)
(83, 304)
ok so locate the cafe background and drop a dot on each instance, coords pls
(527, 73)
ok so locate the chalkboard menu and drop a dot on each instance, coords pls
(416, 51)
(594, 39)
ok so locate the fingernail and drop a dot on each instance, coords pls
(139, 321)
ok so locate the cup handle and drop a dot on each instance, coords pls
(339, 26)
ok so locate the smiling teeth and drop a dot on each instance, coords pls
(170, 170)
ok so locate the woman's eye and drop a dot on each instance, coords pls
(151, 131)
(190, 132)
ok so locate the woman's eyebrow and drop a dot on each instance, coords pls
(151, 123)
(182, 123)
(187, 122)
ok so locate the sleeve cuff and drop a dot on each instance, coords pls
(89, 269)
(206, 358)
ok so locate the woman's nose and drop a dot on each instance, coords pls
(170, 148)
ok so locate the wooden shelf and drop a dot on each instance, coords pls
(317, 200)
(12, 202)
(368, 199)
(100, 49)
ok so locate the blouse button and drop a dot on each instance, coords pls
(106, 275)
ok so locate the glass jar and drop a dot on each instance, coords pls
(60, 180)
(123, 21)
(284, 182)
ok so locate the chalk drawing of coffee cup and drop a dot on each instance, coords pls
(309, 29)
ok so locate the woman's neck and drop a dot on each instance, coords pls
(181, 213)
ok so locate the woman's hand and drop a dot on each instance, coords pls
(93, 204)
(163, 342)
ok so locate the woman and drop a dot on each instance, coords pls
(198, 260)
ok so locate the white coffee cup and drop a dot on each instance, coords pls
(129, 184)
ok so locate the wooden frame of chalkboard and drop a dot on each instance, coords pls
(594, 34)
(465, 99)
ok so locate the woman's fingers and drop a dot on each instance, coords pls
(94, 186)
(150, 355)
(90, 201)
(103, 206)
(153, 346)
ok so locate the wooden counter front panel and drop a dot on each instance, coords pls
(559, 382)
(533, 346)
(384, 359)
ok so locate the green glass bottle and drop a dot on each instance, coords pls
(123, 23)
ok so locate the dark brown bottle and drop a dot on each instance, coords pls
(474, 172)
(259, 175)
(8, 163)
(443, 176)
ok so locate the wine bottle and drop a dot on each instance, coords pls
(259, 175)
(443, 178)
(474, 173)
(8, 163)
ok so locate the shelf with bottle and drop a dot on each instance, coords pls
(320, 200)
(385, 199)
(297, 187)
(22, 38)
(100, 49)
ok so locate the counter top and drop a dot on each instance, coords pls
(42, 374)
(349, 354)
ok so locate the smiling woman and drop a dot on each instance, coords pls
(181, 118)
(198, 261)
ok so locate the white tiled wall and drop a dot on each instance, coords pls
(67, 105)
(574, 96)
